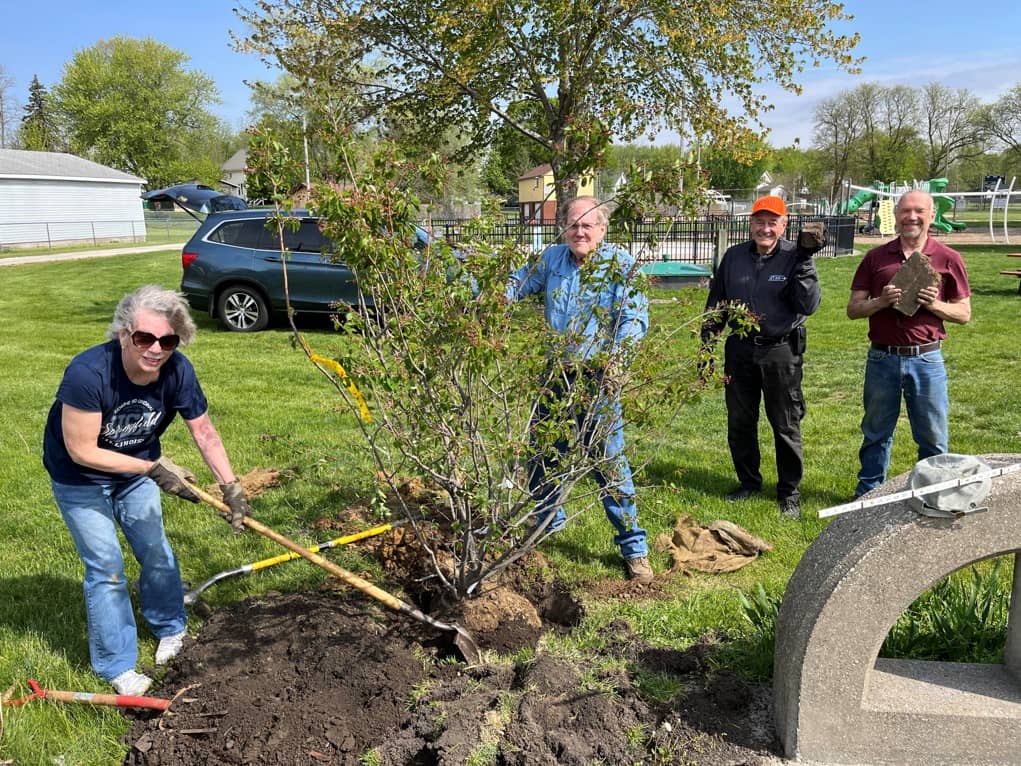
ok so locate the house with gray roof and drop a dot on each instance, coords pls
(51, 197)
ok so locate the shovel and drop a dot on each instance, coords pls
(193, 595)
(461, 640)
(88, 698)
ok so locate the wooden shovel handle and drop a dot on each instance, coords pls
(461, 639)
(350, 578)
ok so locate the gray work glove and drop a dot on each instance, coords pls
(171, 479)
(614, 377)
(234, 497)
(811, 238)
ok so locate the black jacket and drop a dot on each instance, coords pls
(781, 288)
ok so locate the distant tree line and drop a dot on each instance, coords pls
(897, 133)
(134, 105)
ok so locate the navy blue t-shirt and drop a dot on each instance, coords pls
(133, 417)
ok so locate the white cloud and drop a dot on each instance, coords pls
(987, 74)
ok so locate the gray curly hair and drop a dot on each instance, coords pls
(166, 303)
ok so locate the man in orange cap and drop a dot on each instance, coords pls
(776, 279)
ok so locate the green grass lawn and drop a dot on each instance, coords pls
(157, 232)
(274, 411)
(979, 219)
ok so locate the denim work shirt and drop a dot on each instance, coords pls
(592, 305)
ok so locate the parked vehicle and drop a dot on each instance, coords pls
(195, 198)
(233, 270)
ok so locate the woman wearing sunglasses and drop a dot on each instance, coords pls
(102, 451)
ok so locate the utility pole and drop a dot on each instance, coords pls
(304, 141)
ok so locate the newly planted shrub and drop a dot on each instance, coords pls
(466, 393)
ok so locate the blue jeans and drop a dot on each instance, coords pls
(603, 418)
(92, 513)
(923, 382)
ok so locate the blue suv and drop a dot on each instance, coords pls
(233, 268)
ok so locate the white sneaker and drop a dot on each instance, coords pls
(131, 683)
(169, 648)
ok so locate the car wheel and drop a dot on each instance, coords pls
(242, 309)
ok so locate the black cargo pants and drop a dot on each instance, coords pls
(766, 370)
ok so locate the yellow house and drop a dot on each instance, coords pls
(537, 198)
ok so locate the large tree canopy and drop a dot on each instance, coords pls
(131, 104)
(887, 133)
(1002, 119)
(953, 127)
(595, 70)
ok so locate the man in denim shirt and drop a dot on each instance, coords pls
(588, 302)
(905, 356)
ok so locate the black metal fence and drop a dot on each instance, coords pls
(693, 240)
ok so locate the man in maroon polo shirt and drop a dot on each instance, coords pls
(905, 357)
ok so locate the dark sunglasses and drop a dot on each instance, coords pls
(143, 340)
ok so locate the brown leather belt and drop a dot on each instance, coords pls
(907, 350)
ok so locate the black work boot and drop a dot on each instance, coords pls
(790, 507)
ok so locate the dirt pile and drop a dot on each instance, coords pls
(333, 677)
(326, 677)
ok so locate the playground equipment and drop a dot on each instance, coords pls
(1006, 205)
(859, 199)
(883, 219)
(880, 215)
(943, 201)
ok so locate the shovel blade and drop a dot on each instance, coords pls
(464, 643)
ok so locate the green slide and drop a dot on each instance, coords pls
(857, 201)
(944, 205)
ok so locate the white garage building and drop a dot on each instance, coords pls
(49, 197)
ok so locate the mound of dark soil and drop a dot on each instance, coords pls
(334, 677)
(327, 677)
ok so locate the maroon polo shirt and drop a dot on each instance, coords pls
(890, 327)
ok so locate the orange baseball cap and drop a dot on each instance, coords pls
(770, 204)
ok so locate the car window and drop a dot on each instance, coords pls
(224, 203)
(247, 233)
(306, 239)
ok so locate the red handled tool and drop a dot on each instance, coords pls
(88, 698)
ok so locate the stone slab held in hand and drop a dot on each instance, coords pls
(915, 274)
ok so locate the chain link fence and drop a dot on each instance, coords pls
(156, 228)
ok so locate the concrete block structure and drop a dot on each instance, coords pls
(835, 702)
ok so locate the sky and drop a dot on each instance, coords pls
(32, 44)
(910, 42)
